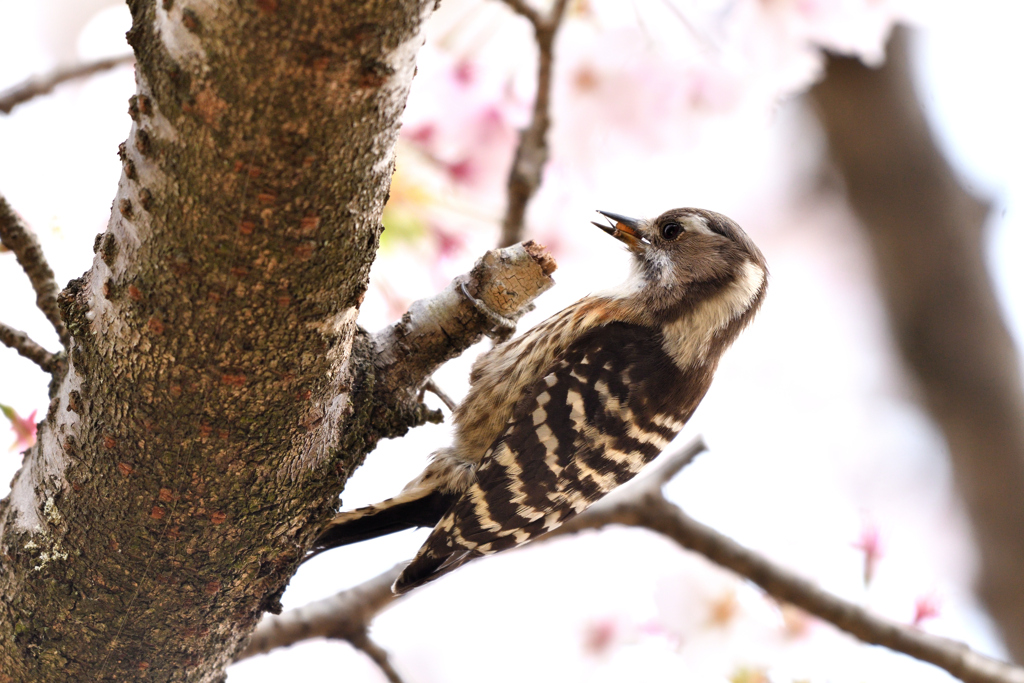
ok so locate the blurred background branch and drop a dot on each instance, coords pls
(532, 153)
(45, 83)
(927, 234)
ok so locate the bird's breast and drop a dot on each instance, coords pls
(502, 376)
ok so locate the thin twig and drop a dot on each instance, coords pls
(666, 469)
(531, 155)
(432, 387)
(523, 8)
(17, 237)
(378, 654)
(23, 344)
(41, 85)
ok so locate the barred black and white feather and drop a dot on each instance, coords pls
(560, 416)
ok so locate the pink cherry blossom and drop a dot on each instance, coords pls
(600, 635)
(870, 543)
(24, 428)
(926, 607)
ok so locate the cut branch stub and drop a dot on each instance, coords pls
(507, 281)
(437, 329)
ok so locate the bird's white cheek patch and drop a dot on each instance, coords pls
(688, 339)
(740, 294)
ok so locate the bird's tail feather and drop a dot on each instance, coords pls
(429, 565)
(384, 518)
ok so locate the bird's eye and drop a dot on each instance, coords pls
(670, 231)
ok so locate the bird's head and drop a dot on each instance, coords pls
(686, 257)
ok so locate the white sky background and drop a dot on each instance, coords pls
(813, 428)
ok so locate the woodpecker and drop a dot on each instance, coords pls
(560, 416)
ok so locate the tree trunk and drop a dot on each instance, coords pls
(927, 234)
(218, 392)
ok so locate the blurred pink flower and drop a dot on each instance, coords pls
(464, 73)
(724, 609)
(870, 543)
(24, 428)
(599, 636)
(449, 245)
(421, 134)
(603, 634)
(796, 623)
(657, 628)
(926, 607)
(462, 117)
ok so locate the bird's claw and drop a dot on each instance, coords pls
(503, 327)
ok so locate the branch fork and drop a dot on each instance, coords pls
(16, 236)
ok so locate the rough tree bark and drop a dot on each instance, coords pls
(218, 392)
(927, 234)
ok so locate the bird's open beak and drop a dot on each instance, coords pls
(626, 230)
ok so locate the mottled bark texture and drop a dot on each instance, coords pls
(217, 393)
(927, 234)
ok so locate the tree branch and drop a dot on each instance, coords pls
(955, 657)
(23, 344)
(345, 616)
(434, 330)
(43, 84)
(378, 654)
(342, 616)
(17, 237)
(525, 176)
(523, 8)
(447, 400)
(643, 504)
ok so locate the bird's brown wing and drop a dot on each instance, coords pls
(604, 409)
